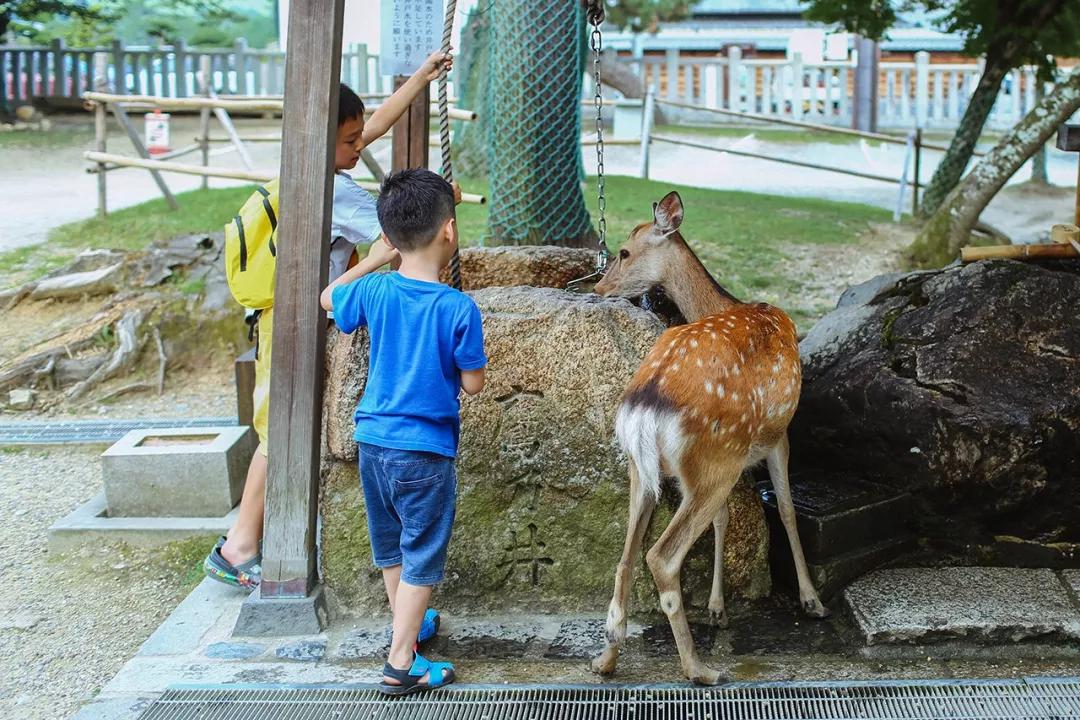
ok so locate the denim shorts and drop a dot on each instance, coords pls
(410, 498)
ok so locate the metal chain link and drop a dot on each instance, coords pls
(596, 17)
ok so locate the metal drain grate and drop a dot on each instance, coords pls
(94, 431)
(933, 700)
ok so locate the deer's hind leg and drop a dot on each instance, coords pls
(700, 505)
(717, 611)
(777, 461)
(641, 509)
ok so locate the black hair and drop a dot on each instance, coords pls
(413, 204)
(349, 105)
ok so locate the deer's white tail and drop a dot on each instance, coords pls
(652, 438)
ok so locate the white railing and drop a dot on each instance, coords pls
(912, 94)
(58, 72)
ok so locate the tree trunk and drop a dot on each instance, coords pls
(962, 147)
(617, 74)
(949, 229)
(534, 129)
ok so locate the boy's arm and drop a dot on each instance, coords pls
(395, 106)
(381, 252)
(472, 381)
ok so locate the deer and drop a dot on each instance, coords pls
(711, 399)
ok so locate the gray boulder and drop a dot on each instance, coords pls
(961, 385)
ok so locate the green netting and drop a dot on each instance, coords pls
(532, 96)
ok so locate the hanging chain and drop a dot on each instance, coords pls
(596, 17)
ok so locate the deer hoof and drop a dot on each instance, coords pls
(719, 618)
(704, 675)
(605, 663)
(815, 609)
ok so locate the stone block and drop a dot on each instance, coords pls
(981, 605)
(542, 487)
(177, 472)
(847, 527)
(281, 616)
(21, 399)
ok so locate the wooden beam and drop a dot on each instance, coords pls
(125, 122)
(312, 69)
(410, 143)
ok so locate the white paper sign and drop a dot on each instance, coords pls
(411, 30)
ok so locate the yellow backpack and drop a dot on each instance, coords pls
(250, 249)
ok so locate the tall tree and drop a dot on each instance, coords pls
(1008, 33)
(942, 236)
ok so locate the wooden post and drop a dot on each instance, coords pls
(289, 599)
(922, 88)
(1068, 139)
(646, 130)
(672, 74)
(798, 80)
(411, 139)
(240, 58)
(864, 116)
(734, 58)
(101, 80)
(59, 68)
(916, 181)
(180, 61)
(119, 71)
(202, 83)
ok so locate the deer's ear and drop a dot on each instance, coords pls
(668, 213)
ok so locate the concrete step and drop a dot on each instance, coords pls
(982, 606)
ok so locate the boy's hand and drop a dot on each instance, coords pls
(381, 252)
(434, 65)
(457, 192)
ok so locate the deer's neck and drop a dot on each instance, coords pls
(693, 289)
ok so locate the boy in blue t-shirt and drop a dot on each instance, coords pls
(427, 344)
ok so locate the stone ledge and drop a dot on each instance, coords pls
(978, 605)
(90, 523)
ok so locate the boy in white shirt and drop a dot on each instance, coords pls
(236, 558)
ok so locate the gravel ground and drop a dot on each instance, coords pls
(68, 623)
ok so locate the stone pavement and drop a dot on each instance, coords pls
(935, 623)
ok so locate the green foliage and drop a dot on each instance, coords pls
(647, 15)
(83, 23)
(1012, 33)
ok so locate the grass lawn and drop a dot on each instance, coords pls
(753, 243)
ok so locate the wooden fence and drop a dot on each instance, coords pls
(58, 73)
(910, 94)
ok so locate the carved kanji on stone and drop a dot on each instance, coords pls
(526, 551)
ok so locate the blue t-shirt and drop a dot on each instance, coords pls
(423, 335)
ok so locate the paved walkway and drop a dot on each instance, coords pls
(767, 641)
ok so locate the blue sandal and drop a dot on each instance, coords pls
(440, 674)
(429, 628)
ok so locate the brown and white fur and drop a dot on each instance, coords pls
(711, 398)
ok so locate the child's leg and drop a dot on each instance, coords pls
(243, 537)
(410, 605)
(391, 578)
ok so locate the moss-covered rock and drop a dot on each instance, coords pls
(542, 502)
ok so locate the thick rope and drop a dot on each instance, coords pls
(444, 129)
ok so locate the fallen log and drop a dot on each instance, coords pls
(123, 357)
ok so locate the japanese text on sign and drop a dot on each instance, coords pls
(411, 30)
